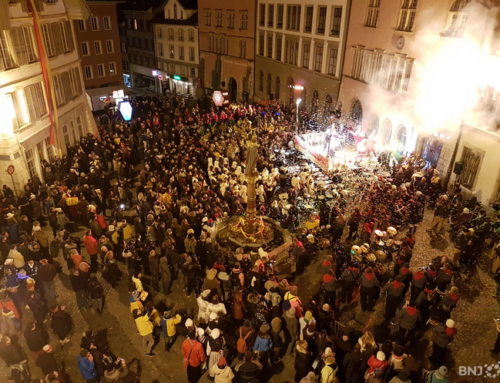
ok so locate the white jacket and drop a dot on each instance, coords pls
(224, 375)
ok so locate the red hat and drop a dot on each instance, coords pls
(327, 278)
(326, 262)
(222, 361)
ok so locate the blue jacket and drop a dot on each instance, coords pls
(263, 344)
(87, 368)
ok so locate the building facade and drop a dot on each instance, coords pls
(300, 48)
(98, 43)
(38, 124)
(177, 48)
(227, 47)
(137, 42)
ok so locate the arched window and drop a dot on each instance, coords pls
(387, 133)
(401, 138)
(277, 90)
(357, 111)
(175, 11)
(261, 81)
(170, 33)
(181, 35)
(373, 128)
(269, 83)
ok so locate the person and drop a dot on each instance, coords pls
(96, 294)
(438, 376)
(91, 246)
(443, 336)
(194, 356)
(36, 338)
(222, 372)
(249, 368)
(278, 339)
(145, 328)
(408, 319)
(215, 348)
(402, 377)
(349, 278)
(61, 323)
(116, 372)
(329, 371)
(352, 364)
(46, 274)
(15, 358)
(302, 361)
(87, 366)
(168, 322)
(368, 291)
(79, 288)
(496, 347)
(47, 361)
(291, 328)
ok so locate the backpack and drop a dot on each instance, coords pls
(241, 345)
(286, 305)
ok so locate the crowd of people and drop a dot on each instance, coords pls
(151, 192)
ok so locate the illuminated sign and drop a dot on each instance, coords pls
(296, 87)
(160, 77)
(126, 110)
(118, 93)
(218, 98)
(177, 78)
(155, 73)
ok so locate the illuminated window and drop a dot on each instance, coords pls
(6, 59)
(373, 10)
(407, 15)
(112, 69)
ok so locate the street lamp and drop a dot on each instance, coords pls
(298, 102)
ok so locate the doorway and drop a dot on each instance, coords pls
(233, 89)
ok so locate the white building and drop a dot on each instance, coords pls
(176, 47)
(300, 50)
(31, 113)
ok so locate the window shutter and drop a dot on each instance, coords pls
(17, 39)
(56, 35)
(66, 86)
(69, 36)
(30, 104)
(78, 81)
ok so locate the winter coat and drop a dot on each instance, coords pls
(90, 244)
(222, 375)
(263, 342)
(374, 363)
(144, 326)
(87, 368)
(408, 318)
(168, 325)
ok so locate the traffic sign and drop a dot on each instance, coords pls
(10, 170)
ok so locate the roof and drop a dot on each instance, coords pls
(160, 19)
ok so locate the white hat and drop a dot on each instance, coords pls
(111, 228)
(205, 219)
(262, 252)
(215, 333)
(380, 356)
(212, 316)
(189, 322)
(466, 211)
(450, 323)
(326, 307)
(10, 215)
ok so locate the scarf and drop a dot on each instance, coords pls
(428, 291)
(396, 284)
(411, 310)
(418, 275)
(369, 276)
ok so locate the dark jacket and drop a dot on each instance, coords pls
(47, 273)
(95, 290)
(408, 319)
(47, 362)
(36, 339)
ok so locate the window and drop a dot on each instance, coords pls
(191, 35)
(58, 91)
(107, 22)
(321, 20)
(30, 161)
(407, 15)
(269, 83)
(262, 15)
(181, 53)
(80, 127)
(305, 55)
(35, 101)
(66, 36)
(279, 42)
(270, 16)
(22, 38)
(182, 15)
(261, 45)
(472, 161)
(20, 107)
(172, 52)
(134, 24)
(219, 18)
(243, 48)
(124, 48)
(48, 40)
(373, 9)
(85, 49)
(159, 32)
(230, 19)
(332, 61)
(208, 17)
(336, 21)
(109, 46)
(318, 61)
(407, 75)
(293, 19)
(261, 81)
(270, 47)
(72, 83)
(112, 69)
(277, 90)
(78, 81)
(192, 72)
(139, 42)
(88, 72)
(244, 20)
(191, 53)
(291, 52)
(180, 35)
(309, 19)
(82, 25)
(97, 48)
(141, 25)
(100, 70)
(171, 34)
(279, 23)
(94, 22)
(6, 59)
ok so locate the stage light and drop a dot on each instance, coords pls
(126, 110)
(448, 137)
(441, 135)
(435, 134)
